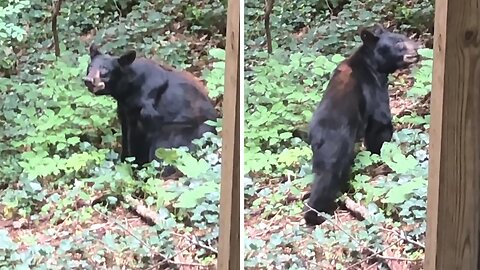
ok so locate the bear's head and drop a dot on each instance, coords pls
(391, 51)
(105, 71)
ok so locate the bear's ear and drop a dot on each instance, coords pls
(127, 58)
(378, 29)
(368, 37)
(93, 50)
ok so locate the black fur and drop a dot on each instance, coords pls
(354, 106)
(156, 107)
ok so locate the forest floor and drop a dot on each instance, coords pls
(257, 226)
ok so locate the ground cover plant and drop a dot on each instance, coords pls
(381, 225)
(66, 201)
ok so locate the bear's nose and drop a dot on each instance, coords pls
(87, 79)
(88, 83)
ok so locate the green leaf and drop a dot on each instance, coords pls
(61, 146)
(73, 140)
(336, 58)
(192, 167)
(189, 199)
(168, 155)
(109, 240)
(400, 193)
(425, 52)
(35, 186)
(5, 241)
(319, 235)
(217, 53)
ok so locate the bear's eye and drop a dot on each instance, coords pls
(103, 72)
(399, 45)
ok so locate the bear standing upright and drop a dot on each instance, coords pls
(354, 106)
(157, 107)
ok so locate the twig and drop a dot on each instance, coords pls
(196, 242)
(334, 224)
(190, 264)
(171, 257)
(399, 259)
(118, 8)
(372, 266)
(404, 237)
(164, 257)
(330, 8)
(362, 211)
(378, 253)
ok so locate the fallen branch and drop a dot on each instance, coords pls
(358, 210)
(148, 216)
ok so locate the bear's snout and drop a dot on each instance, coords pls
(93, 84)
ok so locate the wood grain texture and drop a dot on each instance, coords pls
(229, 242)
(453, 213)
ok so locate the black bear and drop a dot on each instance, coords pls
(157, 106)
(355, 106)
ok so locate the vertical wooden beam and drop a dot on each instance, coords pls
(229, 242)
(453, 213)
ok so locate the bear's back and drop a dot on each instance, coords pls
(186, 98)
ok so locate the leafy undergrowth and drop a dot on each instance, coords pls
(66, 201)
(380, 223)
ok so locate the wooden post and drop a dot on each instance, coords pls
(229, 242)
(453, 213)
